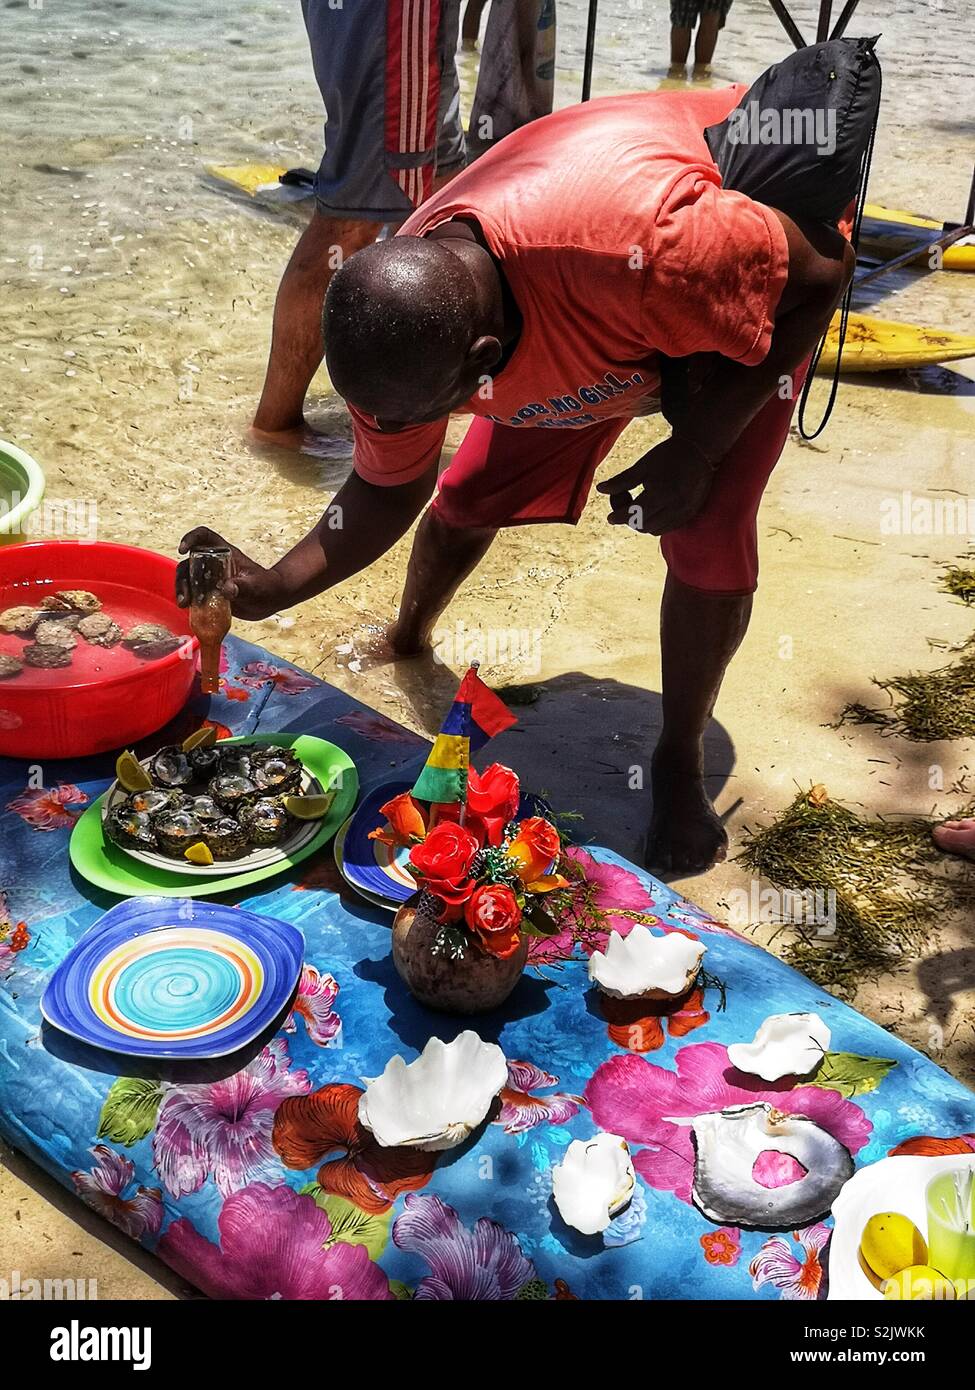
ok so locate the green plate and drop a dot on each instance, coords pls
(108, 867)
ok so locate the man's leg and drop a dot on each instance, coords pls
(707, 37)
(296, 336)
(680, 45)
(699, 634)
(441, 559)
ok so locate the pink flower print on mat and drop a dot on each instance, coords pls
(640, 1101)
(377, 727)
(520, 1110)
(45, 808)
(797, 1277)
(102, 1188)
(274, 1244)
(224, 1127)
(611, 886)
(484, 1264)
(313, 1002)
(258, 673)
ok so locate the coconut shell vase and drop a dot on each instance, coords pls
(473, 983)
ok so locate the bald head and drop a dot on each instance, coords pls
(400, 324)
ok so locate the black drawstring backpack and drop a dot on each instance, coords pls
(837, 84)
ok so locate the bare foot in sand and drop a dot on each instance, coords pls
(403, 642)
(956, 837)
(686, 835)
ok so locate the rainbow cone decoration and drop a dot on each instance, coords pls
(475, 716)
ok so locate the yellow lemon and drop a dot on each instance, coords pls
(203, 738)
(131, 774)
(890, 1243)
(198, 854)
(308, 807)
(919, 1282)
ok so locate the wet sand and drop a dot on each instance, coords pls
(132, 346)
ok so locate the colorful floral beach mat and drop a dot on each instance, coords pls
(262, 1183)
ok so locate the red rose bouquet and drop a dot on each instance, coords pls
(487, 872)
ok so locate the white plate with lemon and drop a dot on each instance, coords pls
(306, 808)
(880, 1236)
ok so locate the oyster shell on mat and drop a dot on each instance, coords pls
(151, 640)
(9, 666)
(224, 838)
(170, 767)
(233, 790)
(785, 1045)
(55, 634)
(594, 1182)
(46, 658)
(129, 827)
(100, 630)
(436, 1101)
(176, 831)
(644, 965)
(71, 601)
(760, 1168)
(265, 821)
(22, 619)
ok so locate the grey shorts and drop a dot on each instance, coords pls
(684, 14)
(387, 74)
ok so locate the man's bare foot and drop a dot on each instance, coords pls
(956, 837)
(302, 439)
(686, 835)
(404, 642)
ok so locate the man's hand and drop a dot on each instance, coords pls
(254, 592)
(676, 479)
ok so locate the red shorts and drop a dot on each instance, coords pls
(505, 476)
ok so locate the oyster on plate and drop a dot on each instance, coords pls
(176, 831)
(129, 827)
(100, 630)
(156, 799)
(47, 658)
(205, 762)
(224, 838)
(265, 821)
(151, 640)
(22, 619)
(233, 790)
(9, 666)
(276, 770)
(205, 809)
(170, 767)
(71, 601)
(235, 759)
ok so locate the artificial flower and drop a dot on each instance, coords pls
(442, 863)
(102, 1190)
(309, 1128)
(405, 822)
(274, 1244)
(493, 915)
(534, 848)
(492, 799)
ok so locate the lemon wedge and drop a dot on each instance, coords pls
(308, 807)
(131, 774)
(203, 738)
(198, 854)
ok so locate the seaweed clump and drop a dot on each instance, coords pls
(888, 883)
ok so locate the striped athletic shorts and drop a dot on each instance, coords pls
(387, 74)
(684, 14)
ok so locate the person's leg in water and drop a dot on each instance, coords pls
(705, 40)
(683, 14)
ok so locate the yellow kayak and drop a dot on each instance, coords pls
(890, 231)
(878, 345)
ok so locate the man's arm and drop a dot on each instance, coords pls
(361, 523)
(677, 474)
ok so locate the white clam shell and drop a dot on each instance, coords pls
(642, 962)
(593, 1182)
(785, 1045)
(437, 1100)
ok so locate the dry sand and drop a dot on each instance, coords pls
(135, 390)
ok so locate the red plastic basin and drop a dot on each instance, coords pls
(108, 698)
